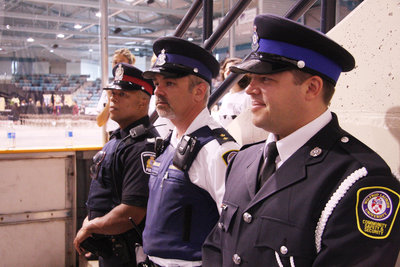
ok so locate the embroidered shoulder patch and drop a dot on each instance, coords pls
(148, 158)
(228, 155)
(376, 211)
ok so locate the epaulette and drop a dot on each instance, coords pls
(222, 135)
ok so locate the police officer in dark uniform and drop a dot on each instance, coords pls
(120, 172)
(187, 180)
(311, 194)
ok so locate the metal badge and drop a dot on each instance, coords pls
(161, 59)
(119, 73)
(254, 43)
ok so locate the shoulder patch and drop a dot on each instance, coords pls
(228, 155)
(148, 159)
(222, 135)
(376, 211)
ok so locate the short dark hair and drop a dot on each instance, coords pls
(328, 87)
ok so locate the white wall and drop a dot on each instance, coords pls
(73, 68)
(367, 99)
(40, 67)
(91, 68)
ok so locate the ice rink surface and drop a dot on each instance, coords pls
(51, 135)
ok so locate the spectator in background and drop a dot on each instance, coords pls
(122, 55)
(236, 100)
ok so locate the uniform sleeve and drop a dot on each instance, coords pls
(208, 169)
(136, 162)
(363, 228)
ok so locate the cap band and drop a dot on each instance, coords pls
(190, 62)
(313, 60)
(147, 87)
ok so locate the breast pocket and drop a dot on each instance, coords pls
(290, 243)
(228, 213)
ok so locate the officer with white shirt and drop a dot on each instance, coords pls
(187, 182)
(312, 194)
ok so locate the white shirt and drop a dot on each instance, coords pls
(207, 171)
(291, 143)
(232, 104)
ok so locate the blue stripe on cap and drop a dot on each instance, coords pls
(189, 62)
(313, 60)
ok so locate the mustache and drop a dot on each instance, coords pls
(161, 99)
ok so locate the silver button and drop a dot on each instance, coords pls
(221, 226)
(224, 207)
(247, 217)
(236, 259)
(301, 64)
(315, 152)
(284, 250)
(344, 139)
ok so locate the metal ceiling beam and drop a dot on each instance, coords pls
(92, 4)
(81, 21)
(75, 33)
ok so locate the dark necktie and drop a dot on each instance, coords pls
(269, 166)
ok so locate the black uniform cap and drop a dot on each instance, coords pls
(129, 78)
(280, 44)
(178, 58)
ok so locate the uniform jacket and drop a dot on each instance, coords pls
(289, 221)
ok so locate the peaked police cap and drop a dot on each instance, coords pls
(281, 44)
(178, 58)
(129, 78)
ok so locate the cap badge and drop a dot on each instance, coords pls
(254, 44)
(161, 59)
(119, 73)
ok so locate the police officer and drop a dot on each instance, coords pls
(120, 172)
(187, 180)
(331, 200)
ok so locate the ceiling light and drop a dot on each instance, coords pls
(78, 26)
(60, 35)
(90, 50)
(136, 49)
(51, 51)
(1, 49)
(8, 27)
(190, 39)
(98, 14)
(30, 40)
(150, 2)
(117, 30)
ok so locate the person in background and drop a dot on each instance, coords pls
(187, 180)
(236, 100)
(122, 55)
(311, 194)
(120, 174)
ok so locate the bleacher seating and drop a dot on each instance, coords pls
(84, 93)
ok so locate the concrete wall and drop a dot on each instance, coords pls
(367, 99)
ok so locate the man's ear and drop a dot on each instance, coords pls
(314, 87)
(199, 91)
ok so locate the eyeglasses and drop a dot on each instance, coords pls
(95, 167)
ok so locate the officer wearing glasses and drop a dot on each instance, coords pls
(119, 190)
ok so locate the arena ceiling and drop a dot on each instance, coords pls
(70, 30)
